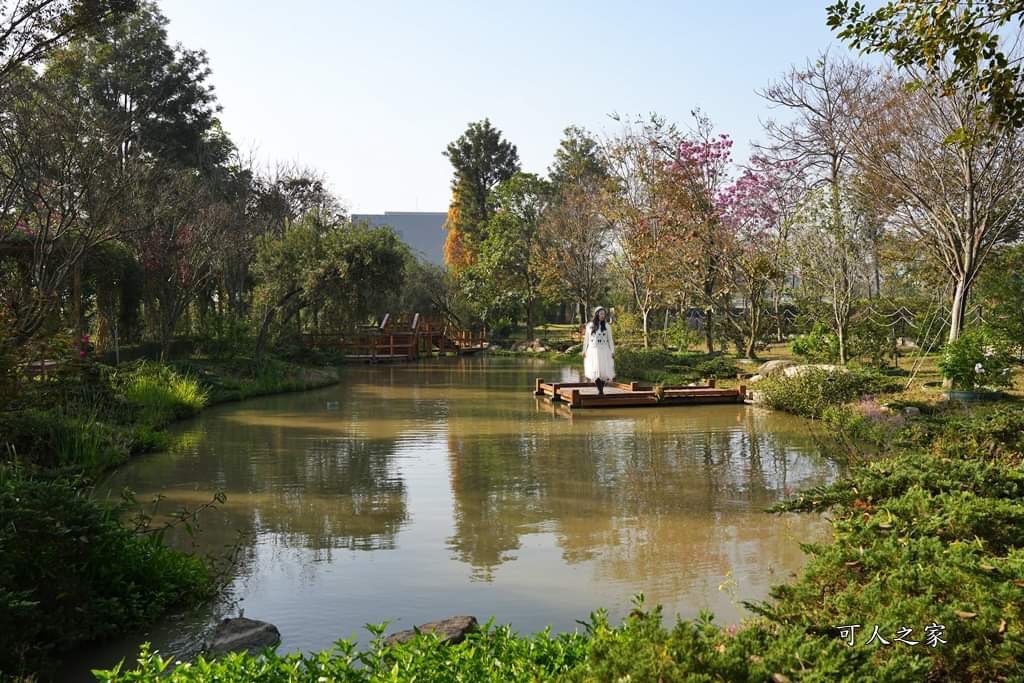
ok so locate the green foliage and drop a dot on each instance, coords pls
(979, 358)
(930, 535)
(489, 654)
(813, 390)
(871, 339)
(70, 572)
(819, 345)
(226, 336)
(481, 159)
(159, 394)
(961, 42)
(1000, 289)
(681, 336)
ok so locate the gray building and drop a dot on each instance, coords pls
(423, 231)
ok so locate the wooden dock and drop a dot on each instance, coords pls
(619, 394)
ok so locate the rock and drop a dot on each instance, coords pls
(796, 370)
(241, 635)
(575, 348)
(911, 411)
(754, 379)
(774, 367)
(452, 630)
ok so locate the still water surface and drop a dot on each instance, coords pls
(413, 492)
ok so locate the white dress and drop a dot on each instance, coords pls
(598, 348)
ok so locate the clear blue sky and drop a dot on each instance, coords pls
(371, 92)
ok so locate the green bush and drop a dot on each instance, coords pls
(819, 345)
(226, 336)
(681, 336)
(979, 358)
(489, 654)
(717, 367)
(70, 572)
(813, 390)
(50, 439)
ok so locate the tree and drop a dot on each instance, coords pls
(578, 157)
(1001, 290)
(64, 194)
(755, 210)
(957, 178)
(180, 227)
(506, 274)
(634, 205)
(823, 98)
(695, 182)
(154, 95)
(964, 44)
(344, 271)
(574, 242)
(481, 159)
(30, 29)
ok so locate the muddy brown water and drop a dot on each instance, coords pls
(409, 493)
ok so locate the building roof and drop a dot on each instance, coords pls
(423, 231)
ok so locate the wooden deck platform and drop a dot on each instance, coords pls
(618, 394)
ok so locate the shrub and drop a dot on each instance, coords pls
(160, 394)
(70, 572)
(717, 367)
(489, 654)
(979, 358)
(637, 363)
(813, 390)
(680, 335)
(819, 345)
(226, 336)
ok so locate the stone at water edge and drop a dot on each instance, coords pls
(774, 367)
(911, 411)
(452, 630)
(795, 370)
(754, 379)
(243, 635)
(575, 348)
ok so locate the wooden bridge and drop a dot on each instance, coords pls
(402, 337)
(618, 394)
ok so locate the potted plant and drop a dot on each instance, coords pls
(976, 363)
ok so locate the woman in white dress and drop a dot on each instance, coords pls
(599, 350)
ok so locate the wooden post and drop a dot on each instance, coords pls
(537, 391)
(711, 381)
(575, 402)
(634, 386)
(742, 391)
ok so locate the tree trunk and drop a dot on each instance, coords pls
(709, 335)
(646, 313)
(956, 317)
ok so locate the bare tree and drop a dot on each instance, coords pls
(573, 243)
(823, 97)
(956, 175)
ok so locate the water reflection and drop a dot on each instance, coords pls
(413, 492)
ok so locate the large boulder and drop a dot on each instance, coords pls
(575, 348)
(452, 630)
(796, 370)
(243, 635)
(774, 367)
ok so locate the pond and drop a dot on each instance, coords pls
(409, 493)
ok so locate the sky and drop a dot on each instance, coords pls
(371, 93)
